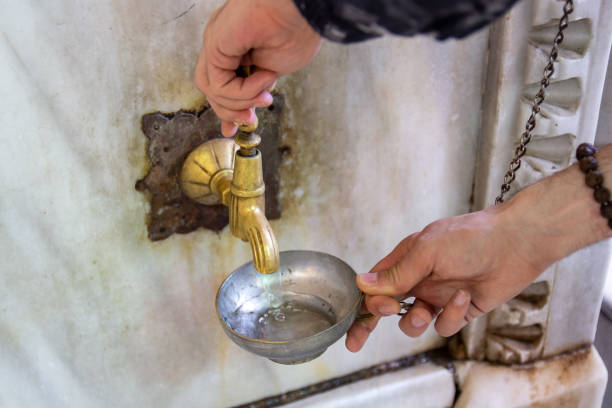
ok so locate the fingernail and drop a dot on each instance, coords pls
(369, 278)
(267, 100)
(417, 321)
(460, 298)
(351, 345)
(387, 310)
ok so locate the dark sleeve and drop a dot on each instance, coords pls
(357, 20)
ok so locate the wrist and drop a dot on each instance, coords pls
(557, 216)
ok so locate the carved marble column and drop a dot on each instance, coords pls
(559, 311)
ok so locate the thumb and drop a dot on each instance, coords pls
(399, 278)
(396, 255)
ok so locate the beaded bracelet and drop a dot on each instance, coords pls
(594, 179)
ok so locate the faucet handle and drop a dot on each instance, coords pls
(245, 71)
(247, 142)
(249, 128)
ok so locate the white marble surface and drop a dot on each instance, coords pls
(425, 386)
(604, 125)
(514, 66)
(571, 381)
(92, 314)
(575, 302)
(604, 137)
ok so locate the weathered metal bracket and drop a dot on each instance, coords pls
(172, 136)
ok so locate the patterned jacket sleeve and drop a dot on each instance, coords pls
(357, 20)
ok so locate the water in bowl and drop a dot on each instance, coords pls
(269, 283)
(296, 317)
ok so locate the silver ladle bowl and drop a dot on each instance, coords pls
(293, 315)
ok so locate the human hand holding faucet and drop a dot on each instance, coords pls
(269, 34)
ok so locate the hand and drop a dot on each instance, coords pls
(270, 34)
(463, 266)
(466, 266)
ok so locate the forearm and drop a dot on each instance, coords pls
(558, 215)
(357, 20)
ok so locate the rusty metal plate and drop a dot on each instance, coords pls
(171, 137)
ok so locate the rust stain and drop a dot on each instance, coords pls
(171, 137)
(321, 369)
(289, 138)
(564, 401)
(305, 159)
(571, 363)
(567, 360)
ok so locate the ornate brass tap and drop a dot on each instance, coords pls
(229, 172)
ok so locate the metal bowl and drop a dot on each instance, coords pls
(293, 315)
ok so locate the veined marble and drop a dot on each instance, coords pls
(424, 386)
(559, 321)
(604, 137)
(574, 380)
(92, 314)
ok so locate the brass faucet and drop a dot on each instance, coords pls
(229, 172)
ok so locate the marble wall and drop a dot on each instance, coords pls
(549, 317)
(383, 139)
(604, 136)
(604, 124)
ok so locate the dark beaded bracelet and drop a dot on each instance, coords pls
(594, 179)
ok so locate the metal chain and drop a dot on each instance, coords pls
(549, 70)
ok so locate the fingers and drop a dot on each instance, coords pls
(270, 35)
(225, 83)
(359, 333)
(395, 256)
(418, 318)
(228, 108)
(473, 312)
(245, 116)
(382, 305)
(216, 76)
(452, 318)
(228, 129)
(456, 314)
(237, 111)
(401, 277)
(231, 97)
(361, 329)
(262, 100)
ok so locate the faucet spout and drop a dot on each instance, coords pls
(221, 171)
(263, 242)
(247, 217)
